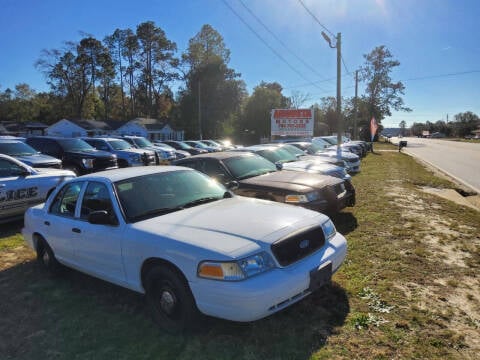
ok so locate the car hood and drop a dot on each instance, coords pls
(223, 227)
(290, 180)
(36, 159)
(133, 151)
(309, 165)
(344, 154)
(54, 172)
(93, 154)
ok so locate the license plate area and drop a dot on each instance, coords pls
(320, 276)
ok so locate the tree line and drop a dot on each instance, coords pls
(131, 74)
(462, 126)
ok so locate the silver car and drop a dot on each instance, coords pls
(22, 186)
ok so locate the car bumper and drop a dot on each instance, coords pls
(265, 294)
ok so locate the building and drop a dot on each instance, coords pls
(152, 129)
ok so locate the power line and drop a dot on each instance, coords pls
(345, 65)
(280, 40)
(313, 15)
(442, 75)
(267, 45)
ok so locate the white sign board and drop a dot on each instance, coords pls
(292, 122)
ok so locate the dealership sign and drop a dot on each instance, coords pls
(292, 122)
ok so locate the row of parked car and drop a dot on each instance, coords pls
(316, 179)
(181, 237)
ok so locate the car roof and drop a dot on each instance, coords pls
(220, 155)
(130, 172)
(101, 138)
(260, 147)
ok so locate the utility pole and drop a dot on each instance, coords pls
(338, 46)
(355, 113)
(199, 113)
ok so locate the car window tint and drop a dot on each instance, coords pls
(214, 169)
(8, 168)
(96, 197)
(66, 200)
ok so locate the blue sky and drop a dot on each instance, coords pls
(436, 41)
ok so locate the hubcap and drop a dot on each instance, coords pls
(167, 301)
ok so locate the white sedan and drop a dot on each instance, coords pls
(186, 242)
(22, 186)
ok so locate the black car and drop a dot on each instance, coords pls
(259, 178)
(76, 154)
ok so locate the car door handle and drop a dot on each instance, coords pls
(2, 185)
(47, 223)
(76, 230)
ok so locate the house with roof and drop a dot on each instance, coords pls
(14, 128)
(152, 129)
(77, 128)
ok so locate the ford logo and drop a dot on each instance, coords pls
(304, 244)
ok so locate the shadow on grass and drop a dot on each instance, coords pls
(345, 222)
(75, 315)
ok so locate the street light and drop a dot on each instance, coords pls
(338, 46)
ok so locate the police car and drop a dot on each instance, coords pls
(185, 241)
(22, 186)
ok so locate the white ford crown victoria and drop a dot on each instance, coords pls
(186, 242)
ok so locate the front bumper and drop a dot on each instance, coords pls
(267, 293)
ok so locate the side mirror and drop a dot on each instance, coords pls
(279, 165)
(101, 217)
(233, 185)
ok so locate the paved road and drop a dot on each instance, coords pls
(461, 160)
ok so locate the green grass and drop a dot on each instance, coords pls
(375, 308)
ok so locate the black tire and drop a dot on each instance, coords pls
(170, 300)
(46, 257)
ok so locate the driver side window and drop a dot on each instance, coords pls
(10, 169)
(66, 200)
(96, 198)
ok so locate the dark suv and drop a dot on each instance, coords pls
(76, 154)
(127, 155)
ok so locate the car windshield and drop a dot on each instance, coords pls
(243, 167)
(164, 146)
(277, 155)
(183, 146)
(197, 144)
(120, 144)
(16, 149)
(152, 195)
(75, 145)
(142, 142)
(321, 143)
(293, 150)
(331, 140)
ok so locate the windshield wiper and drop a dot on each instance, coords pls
(153, 212)
(200, 201)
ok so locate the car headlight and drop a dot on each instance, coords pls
(88, 163)
(236, 270)
(302, 198)
(329, 229)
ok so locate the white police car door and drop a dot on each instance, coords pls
(17, 191)
(99, 249)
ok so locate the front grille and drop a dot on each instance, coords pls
(54, 165)
(104, 163)
(297, 246)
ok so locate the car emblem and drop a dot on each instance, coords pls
(304, 244)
